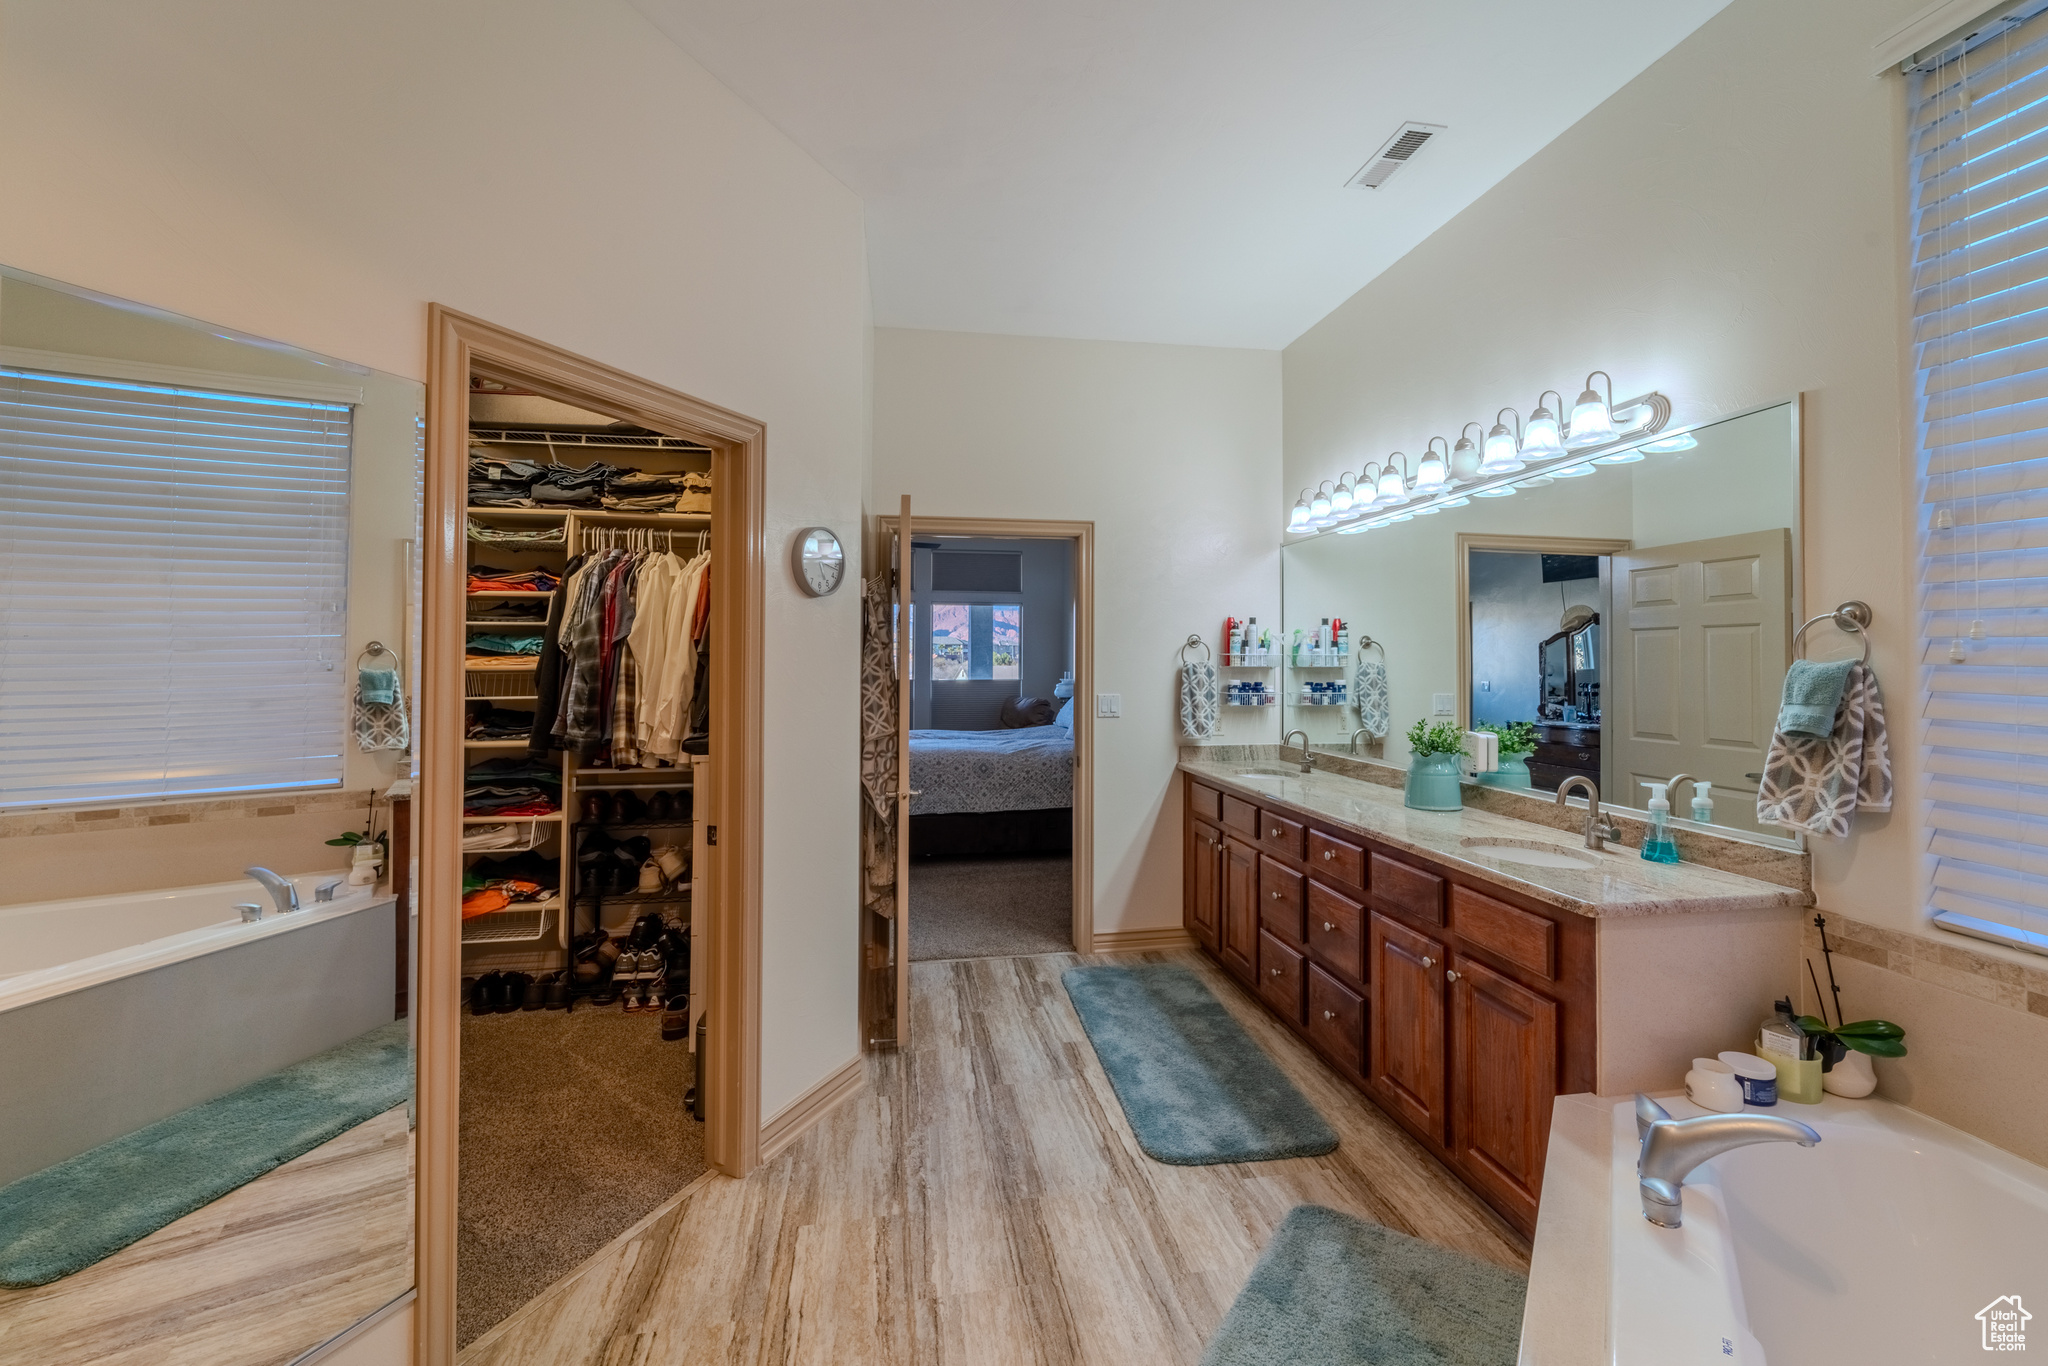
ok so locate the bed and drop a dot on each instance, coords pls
(984, 792)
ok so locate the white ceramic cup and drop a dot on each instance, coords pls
(1713, 1085)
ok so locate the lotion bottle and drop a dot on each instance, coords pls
(1658, 846)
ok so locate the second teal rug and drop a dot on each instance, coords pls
(66, 1217)
(1194, 1086)
(1331, 1290)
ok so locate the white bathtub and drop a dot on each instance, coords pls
(118, 1011)
(1879, 1246)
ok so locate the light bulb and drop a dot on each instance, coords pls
(1319, 510)
(1540, 440)
(1464, 457)
(1430, 473)
(1340, 497)
(1682, 442)
(1500, 452)
(1393, 488)
(1592, 423)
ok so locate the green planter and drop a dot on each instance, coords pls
(1513, 772)
(1433, 782)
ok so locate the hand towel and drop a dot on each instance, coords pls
(1199, 719)
(1812, 697)
(379, 711)
(1819, 785)
(1374, 708)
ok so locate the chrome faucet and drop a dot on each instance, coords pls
(1308, 760)
(1598, 829)
(1354, 737)
(283, 894)
(1671, 1148)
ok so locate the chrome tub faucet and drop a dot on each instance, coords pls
(1671, 1148)
(1308, 760)
(283, 893)
(1598, 829)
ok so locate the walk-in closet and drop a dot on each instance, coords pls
(587, 681)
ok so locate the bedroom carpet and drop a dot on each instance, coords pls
(991, 908)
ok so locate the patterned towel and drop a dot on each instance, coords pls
(1199, 697)
(1374, 709)
(1819, 785)
(378, 711)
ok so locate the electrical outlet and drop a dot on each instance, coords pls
(1109, 704)
(1442, 705)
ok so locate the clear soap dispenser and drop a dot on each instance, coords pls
(1702, 802)
(1658, 846)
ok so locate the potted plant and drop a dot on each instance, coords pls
(1846, 1050)
(1517, 742)
(1436, 767)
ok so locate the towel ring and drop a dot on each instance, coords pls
(1367, 642)
(377, 647)
(1851, 617)
(1191, 643)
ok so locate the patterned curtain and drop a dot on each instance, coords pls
(878, 778)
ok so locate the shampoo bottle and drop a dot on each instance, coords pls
(1658, 846)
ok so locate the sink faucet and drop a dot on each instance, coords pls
(1354, 737)
(282, 893)
(1308, 760)
(1673, 1147)
(1598, 829)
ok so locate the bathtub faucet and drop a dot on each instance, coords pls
(283, 893)
(1673, 1147)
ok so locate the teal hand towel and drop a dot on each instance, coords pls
(1813, 694)
(377, 687)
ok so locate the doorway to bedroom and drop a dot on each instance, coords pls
(993, 632)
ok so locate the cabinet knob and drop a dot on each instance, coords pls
(1275, 972)
(1450, 974)
(1274, 895)
(1428, 962)
(1329, 1014)
(1275, 832)
(1328, 926)
(1329, 854)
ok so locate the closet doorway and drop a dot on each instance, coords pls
(588, 1029)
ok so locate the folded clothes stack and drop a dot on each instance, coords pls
(512, 613)
(511, 787)
(519, 538)
(494, 884)
(498, 723)
(504, 652)
(642, 492)
(499, 483)
(484, 578)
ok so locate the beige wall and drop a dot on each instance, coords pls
(1172, 452)
(319, 177)
(1749, 248)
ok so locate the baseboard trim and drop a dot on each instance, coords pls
(332, 1348)
(790, 1123)
(1143, 941)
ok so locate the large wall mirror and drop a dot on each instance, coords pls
(1628, 623)
(208, 635)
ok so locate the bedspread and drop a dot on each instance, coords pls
(991, 770)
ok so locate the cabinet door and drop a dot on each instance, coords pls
(1280, 900)
(1280, 978)
(1407, 1033)
(1336, 1021)
(1503, 1080)
(1205, 883)
(1240, 946)
(1336, 931)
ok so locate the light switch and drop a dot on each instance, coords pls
(1442, 705)
(1109, 704)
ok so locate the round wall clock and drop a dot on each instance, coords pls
(820, 560)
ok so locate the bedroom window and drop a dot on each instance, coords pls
(975, 640)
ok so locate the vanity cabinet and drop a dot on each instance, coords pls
(1458, 1007)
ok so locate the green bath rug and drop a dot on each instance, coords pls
(1195, 1087)
(67, 1216)
(1331, 1290)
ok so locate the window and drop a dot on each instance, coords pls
(1979, 171)
(173, 571)
(975, 640)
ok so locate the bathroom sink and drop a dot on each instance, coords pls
(1531, 852)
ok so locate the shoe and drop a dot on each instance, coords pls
(489, 996)
(661, 808)
(607, 990)
(535, 997)
(675, 1017)
(512, 992)
(587, 975)
(647, 929)
(628, 809)
(651, 881)
(555, 995)
(671, 860)
(597, 808)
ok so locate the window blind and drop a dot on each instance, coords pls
(173, 577)
(1979, 170)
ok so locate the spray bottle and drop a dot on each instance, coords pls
(1658, 846)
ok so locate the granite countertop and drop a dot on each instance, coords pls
(1622, 884)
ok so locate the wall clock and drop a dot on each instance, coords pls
(820, 560)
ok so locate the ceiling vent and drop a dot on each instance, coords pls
(1405, 143)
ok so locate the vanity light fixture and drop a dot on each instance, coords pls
(1432, 472)
(1572, 472)
(1540, 439)
(1394, 482)
(1682, 442)
(1455, 503)
(1465, 456)
(1367, 495)
(1354, 529)
(1502, 445)
(1504, 491)
(1592, 416)
(1535, 482)
(1340, 499)
(1628, 457)
(1297, 520)
(1432, 510)
(1319, 508)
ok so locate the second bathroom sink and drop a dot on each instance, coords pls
(1534, 853)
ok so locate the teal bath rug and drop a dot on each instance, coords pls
(1194, 1086)
(1331, 1290)
(66, 1217)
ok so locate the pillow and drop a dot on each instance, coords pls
(1019, 712)
(1066, 716)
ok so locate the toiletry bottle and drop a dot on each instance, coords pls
(1658, 846)
(1703, 803)
(1790, 1049)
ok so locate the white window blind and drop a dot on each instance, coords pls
(173, 577)
(1979, 169)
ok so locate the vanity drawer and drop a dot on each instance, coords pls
(1242, 817)
(1398, 886)
(1280, 899)
(1336, 1021)
(1205, 803)
(1520, 937)
(1331, 857)
(1282, 836)
(1280, 977)
(1336, 931)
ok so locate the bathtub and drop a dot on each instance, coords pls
(1881, 1245)
(117, 1011)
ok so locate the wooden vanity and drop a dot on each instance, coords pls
(1459, 1005)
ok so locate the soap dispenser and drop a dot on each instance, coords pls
(1702, 802)
(1658, 846)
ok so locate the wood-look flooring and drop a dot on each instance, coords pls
(982, 1200)
(256, 1278)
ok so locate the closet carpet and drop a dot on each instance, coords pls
(991, 907)
(573, 1128)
